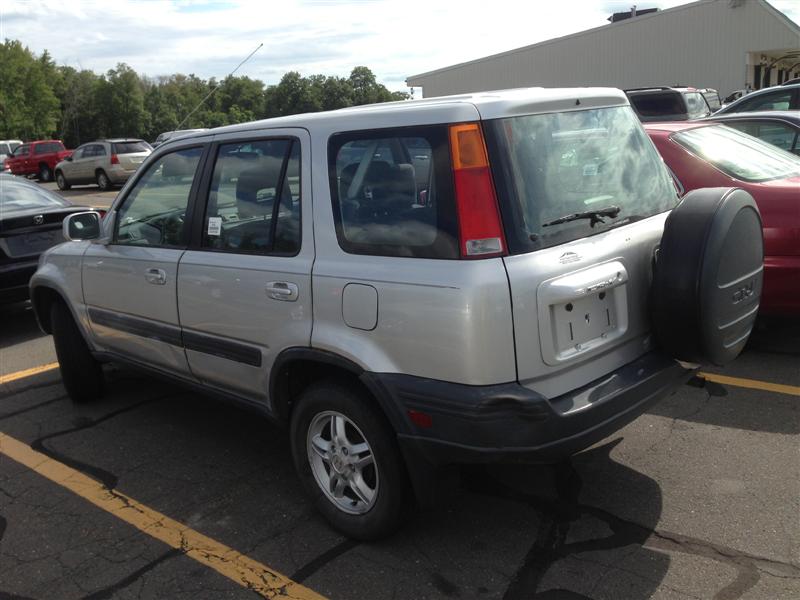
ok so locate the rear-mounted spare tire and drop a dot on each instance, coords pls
(708, 275)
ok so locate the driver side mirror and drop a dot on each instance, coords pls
(68, 158)
(82, 226)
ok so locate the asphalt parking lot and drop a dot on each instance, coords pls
(160, 493)
(89, 195)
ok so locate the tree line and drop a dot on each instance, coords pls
(39, 99)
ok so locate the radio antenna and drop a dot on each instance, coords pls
(199, 104)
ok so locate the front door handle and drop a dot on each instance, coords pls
(156, 276)
(282, 290)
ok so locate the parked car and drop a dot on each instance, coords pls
(30, 223)
(473, 284)
(105, 162)
(37, 158)
(780, 128)
(167, 135)
(778, 97)
(668, 103)
(6, 148)
(712, 98)
(712, 154)
(735, 95)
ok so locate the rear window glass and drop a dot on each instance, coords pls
(556, 165)
(738, 154)
(658, 105)
(4, 149)
(131, 147)
(392, 192)
(48, 148)
(16, 196)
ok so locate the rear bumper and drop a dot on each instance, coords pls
(510, 423)
(118, 174)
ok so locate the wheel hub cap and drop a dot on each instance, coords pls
(342, 462)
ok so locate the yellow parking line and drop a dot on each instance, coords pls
(752, 384)
(27, 372)
(228, 562)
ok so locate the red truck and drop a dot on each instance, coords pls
(37, 158)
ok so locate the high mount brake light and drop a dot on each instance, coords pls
(480, 229)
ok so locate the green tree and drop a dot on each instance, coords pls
(126, 103)
(366, 89)
(28, 106)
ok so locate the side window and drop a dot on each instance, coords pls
(154, 212)
(254, 200)
(777, 134)
(392, 192)
(774, 101)
(22, 151)
(696, 105)
(99, 150)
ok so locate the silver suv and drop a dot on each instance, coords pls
(105, 162)
(410, 286)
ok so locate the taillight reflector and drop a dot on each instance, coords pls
(114, 159)
(480, 228)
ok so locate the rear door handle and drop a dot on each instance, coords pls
(282, 290)
(156, 276)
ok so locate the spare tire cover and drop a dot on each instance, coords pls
(707, 277)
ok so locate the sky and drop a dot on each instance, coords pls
(394, 38)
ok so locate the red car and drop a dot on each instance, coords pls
(713, 155)
(37, 158)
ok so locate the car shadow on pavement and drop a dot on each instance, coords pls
(583, 529)
(18, 325)
(780, 335)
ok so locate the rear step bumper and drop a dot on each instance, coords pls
(510, 423)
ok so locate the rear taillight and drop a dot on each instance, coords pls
(114, 159)
(481, 232)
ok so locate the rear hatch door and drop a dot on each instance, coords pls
(131, 154)
(584, 197)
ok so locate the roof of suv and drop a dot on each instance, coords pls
(490, 105)
(119, 140)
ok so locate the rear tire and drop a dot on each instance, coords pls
(62, 182)
(81, 373)
(45, 174)
(103, 182)
(382, 481)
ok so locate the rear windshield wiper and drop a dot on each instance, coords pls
(594, 216)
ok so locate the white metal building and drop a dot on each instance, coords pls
(722, 44)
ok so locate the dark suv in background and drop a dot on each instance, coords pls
(668, 103)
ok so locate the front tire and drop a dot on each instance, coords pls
(81, 373)
(103, 182)
(62, 182)
(347, 457)
(45, 174)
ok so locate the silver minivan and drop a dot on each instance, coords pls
(498, 277)
(104, 162)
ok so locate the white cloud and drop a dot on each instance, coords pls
(395, 38)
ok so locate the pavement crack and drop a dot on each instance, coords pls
(14, 413)
(106, 478)
(108, 592)
(315, 564)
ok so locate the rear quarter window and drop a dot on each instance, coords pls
(392, 192)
